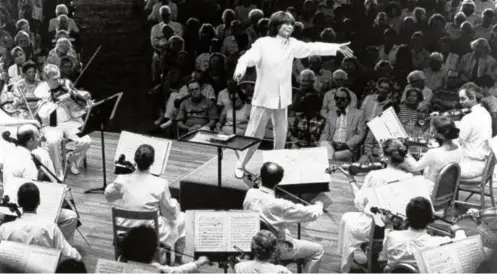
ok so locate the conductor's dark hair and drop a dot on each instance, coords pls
(271, 174)
(27, 65)
(277, 19)
(140, 244)
(263, 245)
(144, 157)
(419, 213)
(28, 197)
(71, 266)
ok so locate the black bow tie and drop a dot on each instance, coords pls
(341, 112)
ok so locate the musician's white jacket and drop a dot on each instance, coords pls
(281, 213)
(355, 227)
(141, 191)
(273, 58)
(20, 165)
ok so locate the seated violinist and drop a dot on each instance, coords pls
(32, 229)
(263, 246)
(21, 165)
(435, 159)
(281, 213)
(400, 246)
(344, 129)
(356, 226)
(60, 110)
(140, 245)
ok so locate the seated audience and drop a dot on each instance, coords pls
(435, 159)
(411, 116)
(339, 78)
(71, 266)
(475, 130)
(15, 71)
(477, 63)
(242, 112)
(33, 229)
(416, 79)
(450, 59)
(197, 111)
(53, 25)
(435, 73)
(400, 246)
(264, 248)
(144, 191)
(344, 129)
(141, 245)
(323, 77)
(281, 213)
(355, 227)
(374, 104)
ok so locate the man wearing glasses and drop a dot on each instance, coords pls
(196, 112)
(344, 129)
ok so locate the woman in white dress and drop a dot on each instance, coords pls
(356, 226)
(435, 159)
(142, 191)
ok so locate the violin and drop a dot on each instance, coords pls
(123, 166)
(396, 220)
(455, 114)
(357, 168)
(420, 141)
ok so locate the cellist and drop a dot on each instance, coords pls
(61, 109)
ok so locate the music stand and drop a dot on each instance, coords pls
(205, 137)
(98, 115)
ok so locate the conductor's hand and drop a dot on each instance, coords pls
(344, 49)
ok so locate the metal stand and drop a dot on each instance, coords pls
(100, 189)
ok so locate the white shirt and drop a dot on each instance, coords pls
(32, 229)
(15, 73)
(19, 165)
(280, 212)
(273, 58)
(255, 266)
(46, 107)
(475, 130)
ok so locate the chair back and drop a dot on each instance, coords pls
(445, 187)
(401, 268)
(118, 230)
(487, 175)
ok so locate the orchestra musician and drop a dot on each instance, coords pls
(355, 227)
(281, 213)
(475, 130)
(21, 165)
(27, 86)
(33, 229)
(60, 111)
(141, 190)
(263, 247)
(400, 246)
(435, 159)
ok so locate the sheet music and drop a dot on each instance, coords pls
(51, 197)
(219, 231)
(461, 256)
(395, 196)
(300, 166)
(387, 126)
(107, 266)
(129, 142)
(243, 226)
(210, 232)
(28, 258)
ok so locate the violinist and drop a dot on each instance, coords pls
(60, 111)
(400, 246)
(22, 166)
(435, 159)
(281, 213)
(355, 227)
(475, 130)
(263, 246)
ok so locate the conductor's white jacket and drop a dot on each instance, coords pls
(273, 57)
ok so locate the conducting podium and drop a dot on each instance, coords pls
(220, 141)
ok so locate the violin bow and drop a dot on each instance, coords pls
(87, 65)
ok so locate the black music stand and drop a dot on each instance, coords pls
(97, 117)
(205, 137)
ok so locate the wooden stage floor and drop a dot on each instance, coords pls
(96, 212)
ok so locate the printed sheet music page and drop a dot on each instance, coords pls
(461, 256)
(220, 231)
(129, 142)
(107, 266)
(28, 258)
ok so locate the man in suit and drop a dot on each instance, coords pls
(344, 130)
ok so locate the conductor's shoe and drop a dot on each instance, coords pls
(239, 171)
